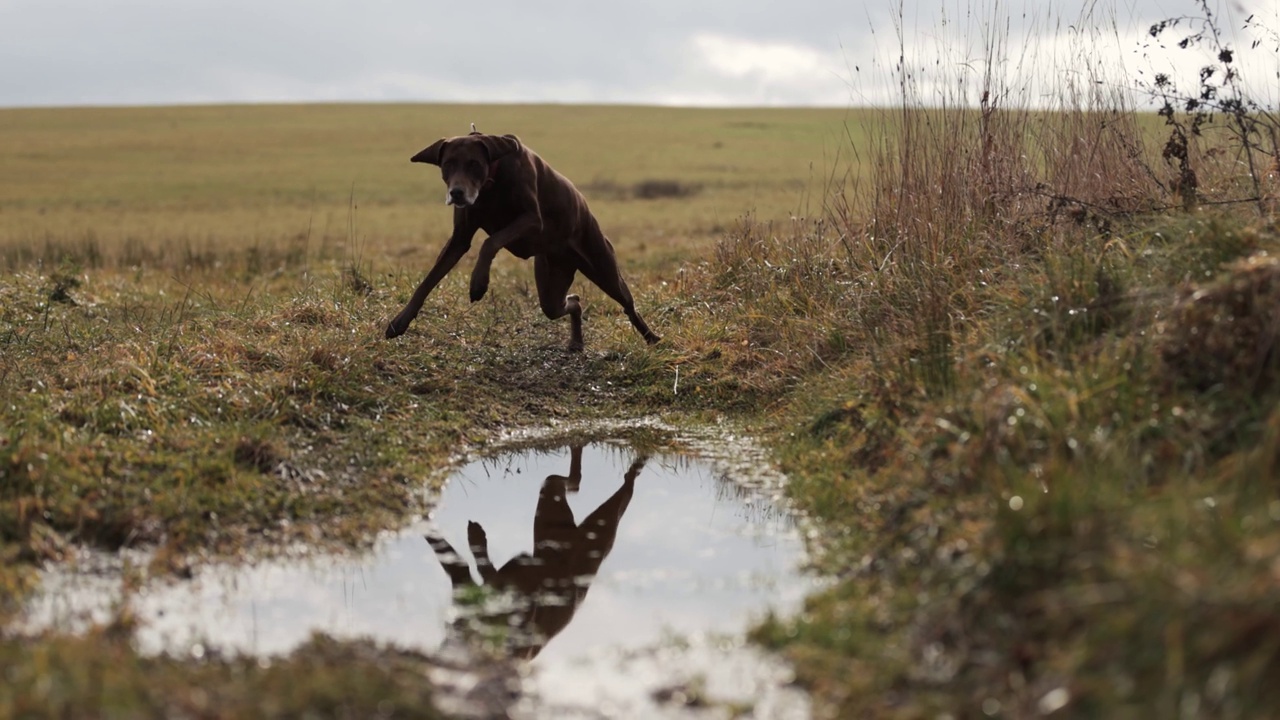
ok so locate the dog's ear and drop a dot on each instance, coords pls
(431, 155)
(499, 145)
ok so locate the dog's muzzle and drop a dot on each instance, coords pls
(460, 197)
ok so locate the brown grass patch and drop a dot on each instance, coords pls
(1223, 333)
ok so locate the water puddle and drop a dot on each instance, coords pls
(621, 582)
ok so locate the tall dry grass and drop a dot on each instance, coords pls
(956, 193)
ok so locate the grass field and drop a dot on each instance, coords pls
(163, 185)
(1024, 391)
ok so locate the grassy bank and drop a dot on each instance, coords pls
(1074, 508)
(100, 676)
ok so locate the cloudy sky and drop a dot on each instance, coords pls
(678, 52)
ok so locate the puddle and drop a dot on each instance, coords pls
(620, 581)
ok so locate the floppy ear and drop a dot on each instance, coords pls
(499, 145)
(431, 155)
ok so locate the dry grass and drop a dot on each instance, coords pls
(1223, 336)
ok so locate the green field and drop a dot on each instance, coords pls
(1023, 386)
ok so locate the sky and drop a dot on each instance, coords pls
(670, 52)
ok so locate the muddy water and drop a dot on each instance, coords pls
(619, 581)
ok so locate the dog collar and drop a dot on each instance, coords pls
(493, 173)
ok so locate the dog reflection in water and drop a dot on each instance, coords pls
(531, 598)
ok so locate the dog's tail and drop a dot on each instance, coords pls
(474, 131)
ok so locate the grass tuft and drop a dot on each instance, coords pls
(1222, 335)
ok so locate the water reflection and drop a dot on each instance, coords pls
(588, 560)
(532, 597)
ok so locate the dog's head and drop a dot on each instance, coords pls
(467, 163)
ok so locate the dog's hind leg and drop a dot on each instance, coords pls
(554, 277)
(602, 269)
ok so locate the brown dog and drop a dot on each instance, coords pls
(498, 185)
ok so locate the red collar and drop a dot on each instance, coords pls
(493, 173)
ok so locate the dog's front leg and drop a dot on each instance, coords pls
(452, 563)
(479, 543)
(530, 222)
(458, 245)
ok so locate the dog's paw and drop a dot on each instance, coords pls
(396, 328)
(475, 534)
(636, 466)
(479, 286)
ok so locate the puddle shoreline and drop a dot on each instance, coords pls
(617, 579)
